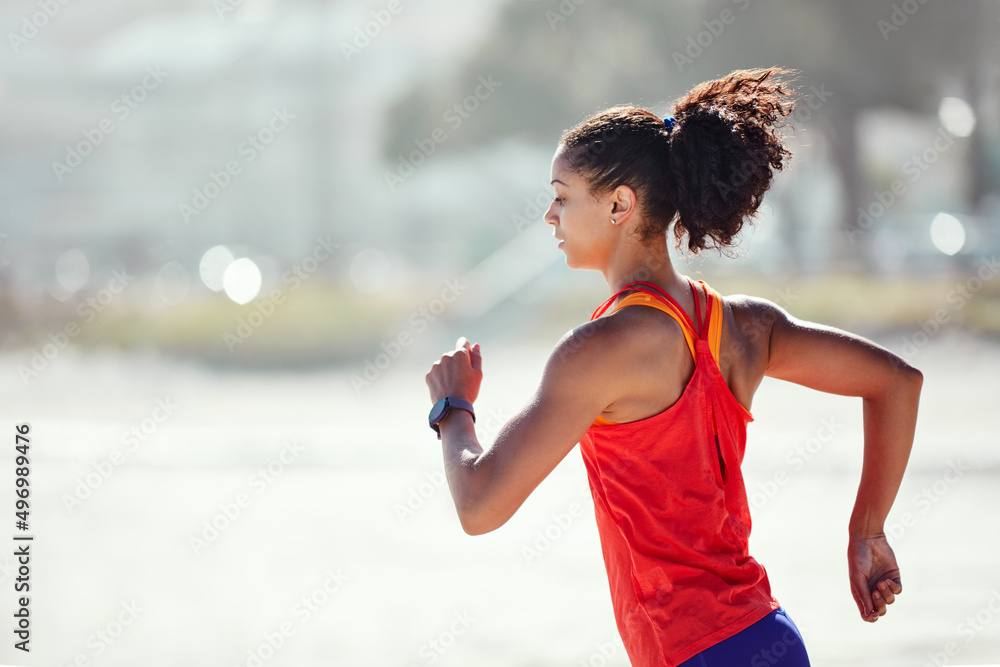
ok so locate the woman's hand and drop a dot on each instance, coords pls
(874, 575)
(459, 373)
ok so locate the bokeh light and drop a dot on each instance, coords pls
(173, 283)
(213, 266)
(947, 233)
(957, 116)
(72, 270)
(242, 280)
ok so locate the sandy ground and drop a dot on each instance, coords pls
(328, 537)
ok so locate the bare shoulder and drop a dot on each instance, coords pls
(600, 349)
(580, 375)
(754, 317)
(749, 322)
(607, 337)
(745, 306)
(628, 365)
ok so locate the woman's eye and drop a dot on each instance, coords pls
(560, 200)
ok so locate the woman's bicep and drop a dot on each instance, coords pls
(830, 359)
(569, 398)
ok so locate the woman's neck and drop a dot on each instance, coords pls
(642, 263)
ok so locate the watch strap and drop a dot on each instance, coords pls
(452, 402)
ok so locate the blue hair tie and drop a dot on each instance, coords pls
(669, 122)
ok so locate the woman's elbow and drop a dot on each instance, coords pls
(903, 377)
(896, 381)
(475, 526)
(471, 528)
(481, 521)
(905, 384)
(912, 378)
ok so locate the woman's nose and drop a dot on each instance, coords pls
(550, 215)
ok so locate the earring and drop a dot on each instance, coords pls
(612, 221)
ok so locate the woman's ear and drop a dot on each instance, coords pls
(622, 203)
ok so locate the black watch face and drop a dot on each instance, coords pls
(438, 410)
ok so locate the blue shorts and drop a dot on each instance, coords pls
(773, 641)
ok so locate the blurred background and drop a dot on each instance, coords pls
(235, 234)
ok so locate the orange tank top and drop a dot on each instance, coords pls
(671, 507)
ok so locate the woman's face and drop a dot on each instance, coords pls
(581, 222)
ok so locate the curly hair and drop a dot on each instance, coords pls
(707, 175)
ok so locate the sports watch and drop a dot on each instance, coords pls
(443, 408)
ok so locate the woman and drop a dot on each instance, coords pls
(659, 397)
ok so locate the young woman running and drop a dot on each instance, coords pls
(659, 397)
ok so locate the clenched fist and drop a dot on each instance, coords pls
(458, 373)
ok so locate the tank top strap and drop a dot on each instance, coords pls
(711, 328)
(669, 299)
(708, 328)
(690, 336)
(649, 288)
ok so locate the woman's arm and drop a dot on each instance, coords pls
(839, 362)
(577, 384)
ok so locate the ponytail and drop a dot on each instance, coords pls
(708, 173)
